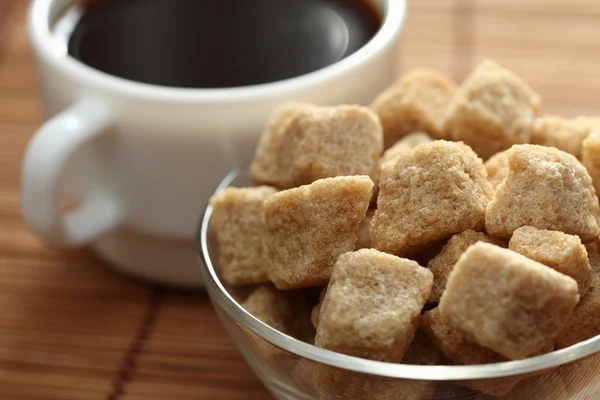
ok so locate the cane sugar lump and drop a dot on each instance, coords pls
(238, 221)
(584, 323)
(288, 312)
(372, 305)
(309, 227)
(545, 188)
(493, 109)
(304, 143)
(428, 194)
(559, 251)
(418, 101)
(506, 302)
(442, 264)
(566, 134)
(266, 167)
(453, 344)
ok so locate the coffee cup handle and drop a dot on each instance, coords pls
(44, 166)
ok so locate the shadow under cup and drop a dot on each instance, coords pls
(291, 369)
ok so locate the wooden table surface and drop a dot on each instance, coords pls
(71, 329)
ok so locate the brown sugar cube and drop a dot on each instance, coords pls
(506, 302)
(405, 144)
(422, 351)
(545, 188)
(461, 351)
(363, 234)
(559, 251)
(326, 382)
(339, 384)
(418, 101)
(584, 323)
(288, 312)
(372, 305)
(443, 263)
(266, 167)
(566, 134)
(497, 168)
(428, 194)
(310, 143)
(453, 344)
(492, 110)
(590, 158)
(307, 228)
(238, 221)
(337, 141)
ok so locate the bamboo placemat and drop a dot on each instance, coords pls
(71, 329)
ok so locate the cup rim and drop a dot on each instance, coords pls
(44, 45)
(234, 310)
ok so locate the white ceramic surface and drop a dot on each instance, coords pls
(141, 160)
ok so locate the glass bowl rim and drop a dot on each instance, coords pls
(226, 302)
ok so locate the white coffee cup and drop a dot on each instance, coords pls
(140, 160)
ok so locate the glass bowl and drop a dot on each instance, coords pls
(291, 369)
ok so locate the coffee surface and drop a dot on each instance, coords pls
(220, 43)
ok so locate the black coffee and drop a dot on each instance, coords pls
(220, 43)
